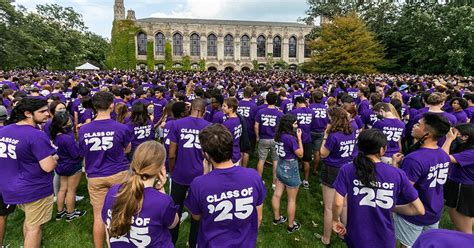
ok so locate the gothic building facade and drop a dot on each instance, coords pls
(221, 44)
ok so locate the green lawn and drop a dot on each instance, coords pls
(309, 209)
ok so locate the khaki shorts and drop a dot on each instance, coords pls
(38, 212)
(99, 186)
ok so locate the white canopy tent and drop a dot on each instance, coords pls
(88, 66)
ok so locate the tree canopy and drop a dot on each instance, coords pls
(54, 37)
(423, 37)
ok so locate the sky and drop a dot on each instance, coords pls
(98, 14)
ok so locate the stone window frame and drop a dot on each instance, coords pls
(177, 44)
(141, 43)
(228, 45)
(277, 46)
(195, 44)
(245, 46)
(261, 46)
(211, 48)
(160, 40)
(292, 47)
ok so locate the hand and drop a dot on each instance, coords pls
(339, 228)
(452, 134)
(396, 158)
(299, 133)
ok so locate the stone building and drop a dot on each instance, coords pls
(221, 44)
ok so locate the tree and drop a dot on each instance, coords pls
(346, 46)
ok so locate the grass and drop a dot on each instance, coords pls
(309, 209)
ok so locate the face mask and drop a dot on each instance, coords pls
(150, 110)
(380, 117)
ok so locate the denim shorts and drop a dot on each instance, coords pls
(288, 173)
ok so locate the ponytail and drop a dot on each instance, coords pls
(128, 202)
(365, 170)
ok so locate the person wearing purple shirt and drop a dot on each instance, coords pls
(390, 124)
(289, 148)
(318, 125)
(459, 189)
(304, 115)
(228, 201)
(233, 125)
(69, 167)
(24, 158)
(159, 102)
(140, 126)
(77, 107)
(363, 94)
(103, 144)
(470, 109)
(286, 104)
(186, 160)
(247, 109)
(337, 150)
(444, 239)
(266, 121)
(427, 168)
(373, 190)
(138, 213)
(217, 114)
(458, 105)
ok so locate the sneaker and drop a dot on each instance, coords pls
(61, 215)
(75, 215)
(184, 216)
(79, 198)
(281, 220)
(305, 184)
(296, 227)
(273, 186)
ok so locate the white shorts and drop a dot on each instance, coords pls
(407, 233)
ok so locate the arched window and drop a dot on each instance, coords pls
(292, 47)
(141, 43)
(229, 46)
(277, 46)
(159, 44)
(307, 47)
(245, 46)
(177, 44)
(212, 45)
(195, 45)
(261, 46)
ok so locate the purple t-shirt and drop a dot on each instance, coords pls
(21, 178)
(463, 171)
(227, 200)
(102, 144)
(150, 227)
(286, 147)
(189, 159)
(439, 238)
(363, 106)
(159, 106)
(87, 114)
(394, 129)
(68, 153)
(247, 110)
(268, 118)
(286, 105)
(304, 118)
(218, 117)
(470, 112)
(428, 169)
(461, 116)
(235, 128)
(371, 207)
(141, 133)
(368, 117)
(341, 147)
(320, 117)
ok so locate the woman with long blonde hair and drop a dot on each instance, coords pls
(138, 212)
(394, 129)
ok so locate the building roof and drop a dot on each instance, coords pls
(222, 22)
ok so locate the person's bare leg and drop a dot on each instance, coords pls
(3, 227)
(61, 195)
(32, 236)
(461, 222)
(72, 183)
(98, 230)
(328, 198)
(316, 160)
(306, 169)
(276, 199)
(344, 212)
(245, 159)
(260, 167)
(274, 170)
(291, 208)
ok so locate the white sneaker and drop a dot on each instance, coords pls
(184, 216)
(79, 198)
(273, 186)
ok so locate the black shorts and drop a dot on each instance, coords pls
(328, 175)
(460, 197)
(307, 152)
(317, 140)
(5, 209)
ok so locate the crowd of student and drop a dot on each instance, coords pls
(394, 151)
